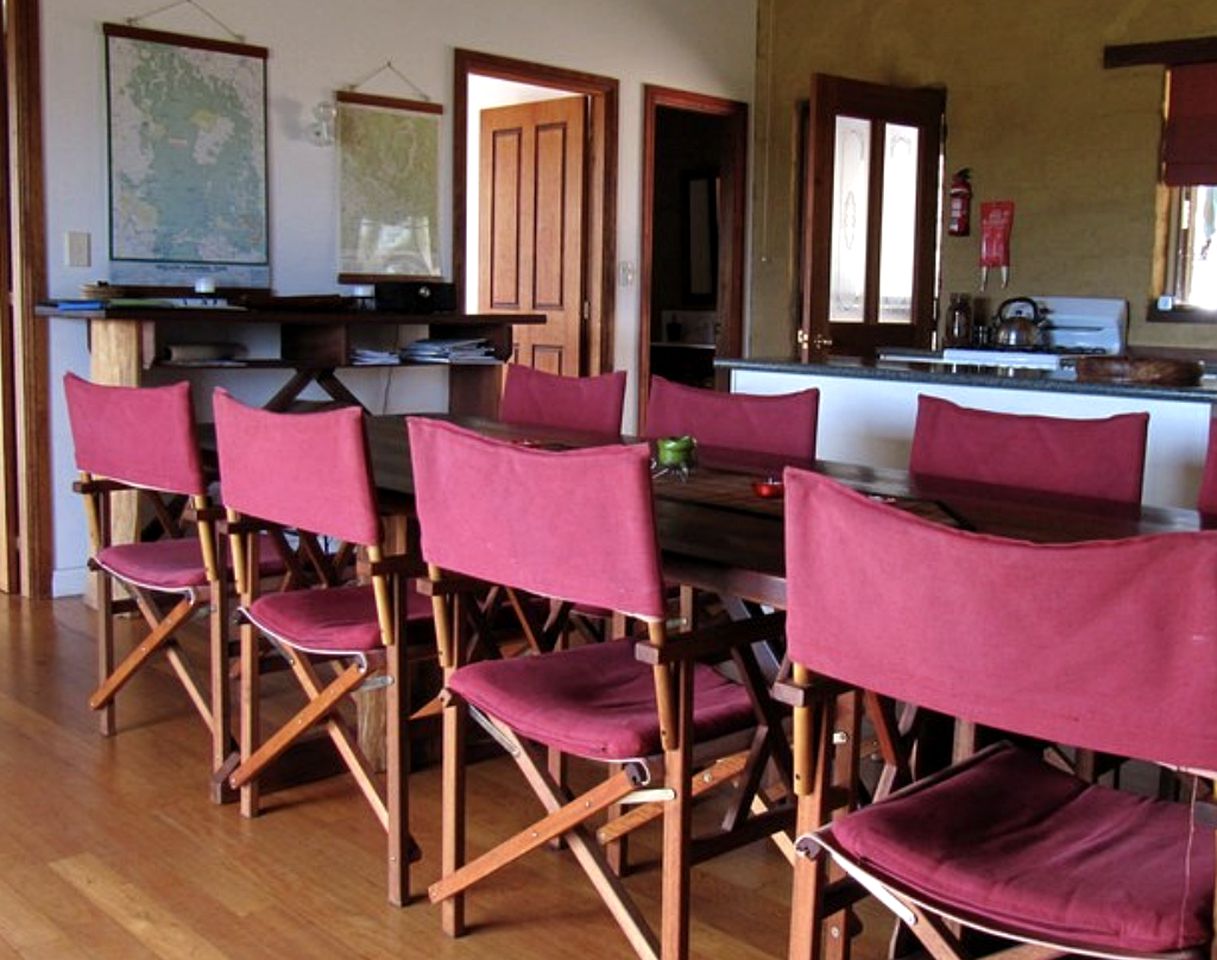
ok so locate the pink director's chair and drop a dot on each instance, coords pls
(590, 404)
(641, 707)
(783, 425)
(309, 472)
(143, 439)
(1121, 657)
(1102, 460)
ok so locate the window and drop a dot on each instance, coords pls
(1192, 274)
(1189, 170)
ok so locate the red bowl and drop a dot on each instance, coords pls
(768, 489)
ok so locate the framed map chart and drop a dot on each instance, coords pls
(388, 187)
(187, 138)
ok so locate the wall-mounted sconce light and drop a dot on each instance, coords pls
(321, 130)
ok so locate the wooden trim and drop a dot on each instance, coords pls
(28, 244)
(184, 40)
(731, 236)
(391, 103)
(1170, 53)
(600, 169)
(10, 575)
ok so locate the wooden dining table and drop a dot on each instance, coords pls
(717, 533)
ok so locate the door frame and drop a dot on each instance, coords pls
(25, 445)
(600, 254)
(731, 230)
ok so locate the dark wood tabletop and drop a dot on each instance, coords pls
(718, 533)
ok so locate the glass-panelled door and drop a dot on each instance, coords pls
(870, 228)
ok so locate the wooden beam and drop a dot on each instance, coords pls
(28, 241)
(1170, 53)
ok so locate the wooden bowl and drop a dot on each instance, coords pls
(1153, 371)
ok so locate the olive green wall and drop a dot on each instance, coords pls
(1029, 108)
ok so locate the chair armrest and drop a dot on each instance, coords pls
(713, 642)
(398, 564)
(804, 695)
(99, 486)
(448, 585)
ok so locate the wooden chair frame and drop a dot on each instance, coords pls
(660, 786)
(212, 698)
(389, 576)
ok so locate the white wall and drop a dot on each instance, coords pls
(318, 46)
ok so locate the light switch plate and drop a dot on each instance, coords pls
(76, 249)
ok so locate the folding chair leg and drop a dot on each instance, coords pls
(452, 790)
(222, 741)
(106, 720)
(397, 771)
(677, 826)
(810, 874)
(136, 658)
(190, 681)
(633, 924)
(313, 711)
(251, 712)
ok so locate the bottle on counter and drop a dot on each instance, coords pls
(957, 330)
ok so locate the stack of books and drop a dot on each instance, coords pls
(437, 350)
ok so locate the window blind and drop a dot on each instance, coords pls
(1189, 147)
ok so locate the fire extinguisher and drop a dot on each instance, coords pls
(959, 222)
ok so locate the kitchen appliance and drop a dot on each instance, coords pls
(1070, 327)
(1015, 328)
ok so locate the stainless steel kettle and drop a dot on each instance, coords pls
(1017, 330)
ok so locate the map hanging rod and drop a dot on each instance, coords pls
(387, 65)
(135, 21)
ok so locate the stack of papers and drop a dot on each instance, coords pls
(449, 351)
(362, 357)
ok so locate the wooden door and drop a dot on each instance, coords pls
(870, 223)
(531, 226)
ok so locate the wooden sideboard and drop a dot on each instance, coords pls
(125, 341)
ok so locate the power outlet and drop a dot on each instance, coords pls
(76, 251)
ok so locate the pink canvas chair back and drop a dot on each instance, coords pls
(592, 404)
(575, 525)
(1110, 645)
(1207, 503)
(1093, 459)
(143, 436)
(303, 470)
(783, 425)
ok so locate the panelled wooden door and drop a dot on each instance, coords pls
(531, 226)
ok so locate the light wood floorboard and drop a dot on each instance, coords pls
(109, 848)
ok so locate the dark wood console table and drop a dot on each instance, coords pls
(123, 343)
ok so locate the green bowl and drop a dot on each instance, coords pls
(675, 451)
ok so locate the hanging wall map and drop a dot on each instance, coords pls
(187, 159)
(388, 187)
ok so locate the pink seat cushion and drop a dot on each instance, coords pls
(1008, 841)
(329, 621)
(596, 702)
(174, 564)
(160, 564)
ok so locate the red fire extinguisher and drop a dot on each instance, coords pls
(959, 222)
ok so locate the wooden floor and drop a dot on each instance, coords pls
(109, 848)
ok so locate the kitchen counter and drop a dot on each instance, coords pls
(868, 410)
(933, 370)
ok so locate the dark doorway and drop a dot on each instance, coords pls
(694, 188)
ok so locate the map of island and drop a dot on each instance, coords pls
(388, 186)
(187, 161)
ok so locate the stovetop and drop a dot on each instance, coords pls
(1074, 326)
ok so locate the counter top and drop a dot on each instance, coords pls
(933, 370)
